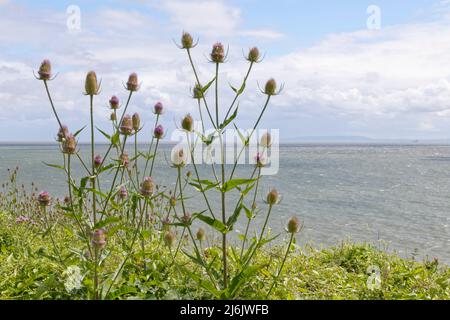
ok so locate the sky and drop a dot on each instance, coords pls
(341, 77)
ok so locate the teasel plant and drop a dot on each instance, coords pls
(232, 277)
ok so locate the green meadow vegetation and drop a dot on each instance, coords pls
(135, 238)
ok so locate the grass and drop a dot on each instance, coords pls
(28, 270)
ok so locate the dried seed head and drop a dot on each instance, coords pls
(169, 238)
(62, 133)
(273, 197)
(293, 225)
(253, 55)
(45, 70)
(126, 126)
(147, 187)
(99, 238)
(113, 116)
(136, 121)
(197, 92)
(186, 41)
(271, 87)
(158, 132)
(158, 108)
(44, 198)
(266, 140)
(218, 53)
(187, 123)
(201, 235)
(98, 161)
(114, 103)
(133, 84)
(91, 85)
(69, 144)
(125, 160)
(123, 193)
(178, 156)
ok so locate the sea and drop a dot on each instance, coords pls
(394, 196)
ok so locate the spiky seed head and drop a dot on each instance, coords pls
(273, 197)
(218, 53)
(133, 83)
(201, 235)
(45, 70)
(147, 187)
(44, 198)
(158, 132)
(126, 126)
(136, 119)
(186, 41)
(169, 238)
(114, 103)
(91, 85)
(158, 108)
(99, 238)
(293, 225)
(253, 55)
(188, 123)
(271, 87)
(98, 160)
(125, 159)
(62, 133)
(266, 140)
(69, 144)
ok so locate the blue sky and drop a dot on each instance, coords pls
(341, 78)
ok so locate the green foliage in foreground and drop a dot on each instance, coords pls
(28, 271)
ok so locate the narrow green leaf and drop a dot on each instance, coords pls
(216, 224)
(231, 184)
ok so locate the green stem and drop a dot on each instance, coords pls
(239, 93)
(217, 95)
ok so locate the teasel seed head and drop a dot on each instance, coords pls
(158, 108)
(273, 197)
(293, 225)
(158, 133)
(253, 55)
(45, 70)
(69, 144)
(126, 126)
(169, 238)
(188, 123)
(44, 198)
(62, 133)
(186, 41)
(136, 119)
(186, 219)
(178, 156)
(271, 87)
(218, 53)
(201, 235)
(266, 140)
(98, 160)
(99, 238)
(91, 85)
(114, 103)
(147, 187)
(124, 159)
(123, 193)
(133, 84)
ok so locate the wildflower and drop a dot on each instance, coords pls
(44, 198)
(187, 123)
(158, 132)
(266, 140)
(123, 193)
(186, 41)
(21, 219)
(45, 70)
(273, 197)
(125, 160)
(69, 144)
(178, 156)
(98, 160)
(158, 108)
(133, 84)
(293, 225)
(91, 85)
(126, 126)
(114, 103)
(271, 87)
(99, 238)
(147, 187)
(169, 238)
(253, 55)
(136, 119)
(218, 53)
(201, 236)
(62, 133)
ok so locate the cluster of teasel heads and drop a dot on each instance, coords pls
(128, 126)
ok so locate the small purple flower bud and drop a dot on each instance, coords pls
(136, 119)
(125, 159)
(123, 193)
(62, 133)
(98, 161)
(271, 87)
(91, 85)
(253, 55)
(45, 70)
(218, 53)
(133, 83)
(293, 225)
(158, 108)
(99, 238)
(273, 197)
(186, 219)
(114, 103)
(159, 132)
(186, 41)
(187, 123)
(44, 198)
(260, 160)
(126, 127)
(147, 187)
(69, 144)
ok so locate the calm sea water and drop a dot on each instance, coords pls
(391, 195)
